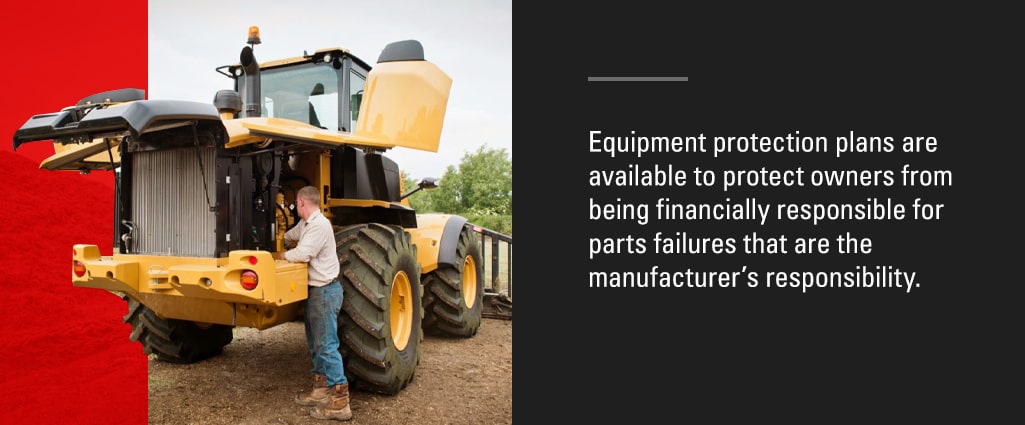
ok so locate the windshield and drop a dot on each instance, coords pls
(302, 93)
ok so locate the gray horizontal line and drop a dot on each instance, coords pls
(637, 79)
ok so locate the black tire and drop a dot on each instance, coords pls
(454, 294)
(175, 341)
(382, 311)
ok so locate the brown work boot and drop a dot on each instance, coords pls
(318, 395)
(337, 406)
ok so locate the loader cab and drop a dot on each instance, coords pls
(323, 89)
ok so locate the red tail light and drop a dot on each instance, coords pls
(250, 280)
(79, 268)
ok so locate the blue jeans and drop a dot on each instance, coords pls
(321, 317)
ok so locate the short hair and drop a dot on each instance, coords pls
(309, 194)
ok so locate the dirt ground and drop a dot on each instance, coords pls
(459, 381)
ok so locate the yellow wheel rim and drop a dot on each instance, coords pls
(469, 281)
(401, 310)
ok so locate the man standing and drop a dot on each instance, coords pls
(316, 247)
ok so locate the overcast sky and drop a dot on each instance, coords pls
(471, 40)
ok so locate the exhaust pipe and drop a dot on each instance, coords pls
(250, 87)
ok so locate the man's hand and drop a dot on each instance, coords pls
(278, 255)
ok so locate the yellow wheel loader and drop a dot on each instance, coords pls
(204, 193)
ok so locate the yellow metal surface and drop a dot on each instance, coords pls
(324, 183)
(239, 135)
(259, 129)
(201, 289)
(404, 104)
(469, 281)
(259, 316)
(283, 220)
(363, 203)
(427, 238)
(92, 156)
(401, 311)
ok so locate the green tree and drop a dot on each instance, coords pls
(480, 189)
(419, 201)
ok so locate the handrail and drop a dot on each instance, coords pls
(496, 239)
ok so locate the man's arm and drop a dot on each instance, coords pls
(290, 238)
(312, 241)
(292, 235)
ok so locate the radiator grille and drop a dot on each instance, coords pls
(169, 205)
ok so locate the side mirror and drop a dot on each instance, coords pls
(426, 183)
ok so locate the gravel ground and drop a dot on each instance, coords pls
(458, 381)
